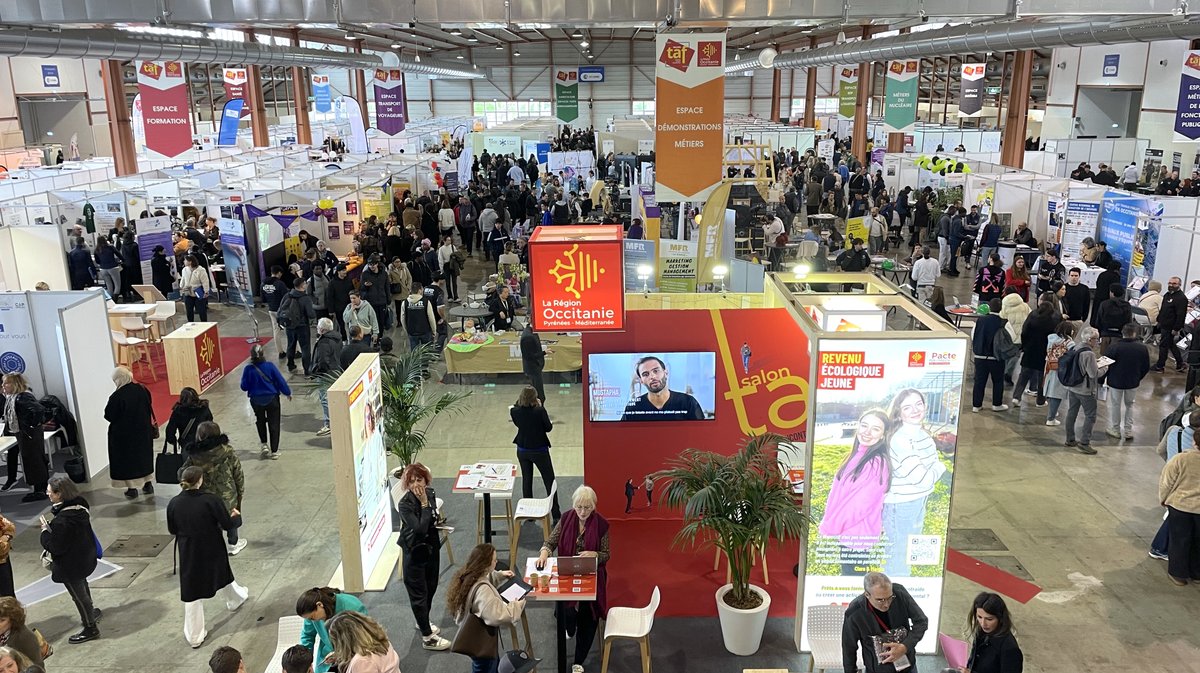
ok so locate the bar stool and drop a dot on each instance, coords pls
(127, 346)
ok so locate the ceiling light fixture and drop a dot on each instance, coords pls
(352, 36)
(499, 47)
(417, 57)
(577, 33)
(456, 32)
(591, 56)
(459, 57)
(472, 39)
(516, 52)
(397, 45)
(584, 44)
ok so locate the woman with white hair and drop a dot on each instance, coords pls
(131, 426)
(326, 350)
(582, 532)
(1082, 394)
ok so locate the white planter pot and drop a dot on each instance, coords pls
(742, 630)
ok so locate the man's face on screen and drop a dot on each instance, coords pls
(653, 375)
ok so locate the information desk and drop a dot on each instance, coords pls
(193, 354)
(503, 355)
(562, 589)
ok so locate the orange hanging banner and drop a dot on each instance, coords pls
(689, 134)
(577, 278)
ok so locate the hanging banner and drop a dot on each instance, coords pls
(235, 87)
(689, 132)
(883, 452)
(1152, 163)
(576, 275)
(970, 100)
(1079, 222)
(357, 142)
(237, 268)
(847, 90)
(639, 253)
(1187, 108)
(165, 108)
(900, 104)
(566, 94)
(389, 101)
(230, 116)
(18, 349)
(322, 96)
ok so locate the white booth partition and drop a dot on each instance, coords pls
(32, 254)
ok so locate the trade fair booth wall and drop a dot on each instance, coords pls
(30, 255)
(51, 338)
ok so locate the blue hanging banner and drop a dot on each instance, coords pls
(322, 96)
(230, 116)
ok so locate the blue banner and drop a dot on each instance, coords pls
(237, 268)
(1129, 226)
(1187, 108)
(230, 116)
(322, 94)
(543, 153)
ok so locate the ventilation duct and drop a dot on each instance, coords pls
(976, 40)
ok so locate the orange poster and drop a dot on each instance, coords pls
(689, 134)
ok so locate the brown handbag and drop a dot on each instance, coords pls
(475, 638)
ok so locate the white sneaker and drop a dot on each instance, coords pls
(198, 645)
(1054, 422)
(435, 643)
(1113, 432)
(433, 629)
(1015, 403)
(323, 431)
(236, 548)
(274, 455)
(1002, 407)
(975, 410)
(576, 668)
(264, 452)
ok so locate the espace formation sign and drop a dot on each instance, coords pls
(577, 279)
(164, 107)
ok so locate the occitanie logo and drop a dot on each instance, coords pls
(578, 271)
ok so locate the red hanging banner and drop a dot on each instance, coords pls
(165, 108)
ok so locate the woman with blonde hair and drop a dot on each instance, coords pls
(473, 593)
(360, 645)
(131, 430)
(13, 661)
(23, 416)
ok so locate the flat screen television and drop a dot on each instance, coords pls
(651, 386)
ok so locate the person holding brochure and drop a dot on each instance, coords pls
(473, 596)
(887, 623)
(854, 507)
(915, 470)
(994, 649)
(582, 532)
(422, 544)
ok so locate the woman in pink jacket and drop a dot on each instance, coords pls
(854, 508)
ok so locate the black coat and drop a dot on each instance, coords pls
(859, 625)
(996, 654)
(1034, 335)
(1173, 314)
(1132, 363)
(197, 520)
(71, 542)
(533, 356)
(1112, 315)
(181, 428)
(130, 433)
(339, 294)
(420, 526)
(325, 354)
(532, 425)
(160, 271)
(83, 269)
(31, 443)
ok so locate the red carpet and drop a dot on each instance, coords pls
(990, 576)
(234, 351)
(642, 558)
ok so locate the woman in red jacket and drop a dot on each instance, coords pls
(1017, 276)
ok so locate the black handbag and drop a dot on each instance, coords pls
(475, 638)
(168, 465)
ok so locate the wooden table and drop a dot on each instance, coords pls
(139, 311)
(563, 589)
(193, 354)
(465, 470)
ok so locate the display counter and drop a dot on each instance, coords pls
(502, 355)
(193, 354)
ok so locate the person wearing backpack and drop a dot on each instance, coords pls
(1078, 373)
(1057, 344)
(991, 346)
(295, 314)
(263, 385)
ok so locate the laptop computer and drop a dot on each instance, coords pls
(576, 565)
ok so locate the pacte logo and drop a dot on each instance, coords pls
(943, 358)
(676, 55)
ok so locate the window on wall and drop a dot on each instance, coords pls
(498, 112)
(821, 106)
(643, 107)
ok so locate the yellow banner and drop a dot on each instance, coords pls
(856, 227)
(712, 220)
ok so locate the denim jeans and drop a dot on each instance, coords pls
(1162, 538)
(901, 519)
(1074, 402)
(484, 665)
(323, 395)
(1117, 399)
(1052, 411)
(1032, 377)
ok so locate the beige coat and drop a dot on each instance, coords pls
(1179, 485)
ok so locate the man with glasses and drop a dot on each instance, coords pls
(887, 623)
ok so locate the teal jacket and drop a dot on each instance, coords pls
(315, 628)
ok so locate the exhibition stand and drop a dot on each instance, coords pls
(30, 255)
(364, 522)
(194, 358)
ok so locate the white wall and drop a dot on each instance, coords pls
(1107, 113)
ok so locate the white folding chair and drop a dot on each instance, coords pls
(127, 346)
(290, 628)
(632, 624)
(531, 509)
(825, 637)
(133, 326)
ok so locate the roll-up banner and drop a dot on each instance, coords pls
(1187, 109)
(566, 94)
(847, 90)
(235, 87)
(237, 267)
(322, 96)
(900, 104)
(389, 101)
(165, 108)
(970, 100)
(689, 129)
(358, 126)
(151, 232)
(231, 114)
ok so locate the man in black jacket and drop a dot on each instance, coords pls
(533, 359)
(1131, 363)
(355, 347)
(373, 285)
(338, 297)
(1113, 315)
(883, 608)
(988, 363)
(1077, 299)
(273, 291)
(1171, 318)
(325, 361)
(296, 312)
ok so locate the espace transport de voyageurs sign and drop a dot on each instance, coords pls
(577, 280)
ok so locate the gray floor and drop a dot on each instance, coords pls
(1077, 525)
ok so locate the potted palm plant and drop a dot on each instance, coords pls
(737, 504)
(408, 410)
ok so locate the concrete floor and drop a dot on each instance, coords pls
(1078, 525)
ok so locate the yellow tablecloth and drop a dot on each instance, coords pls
(503, 355)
